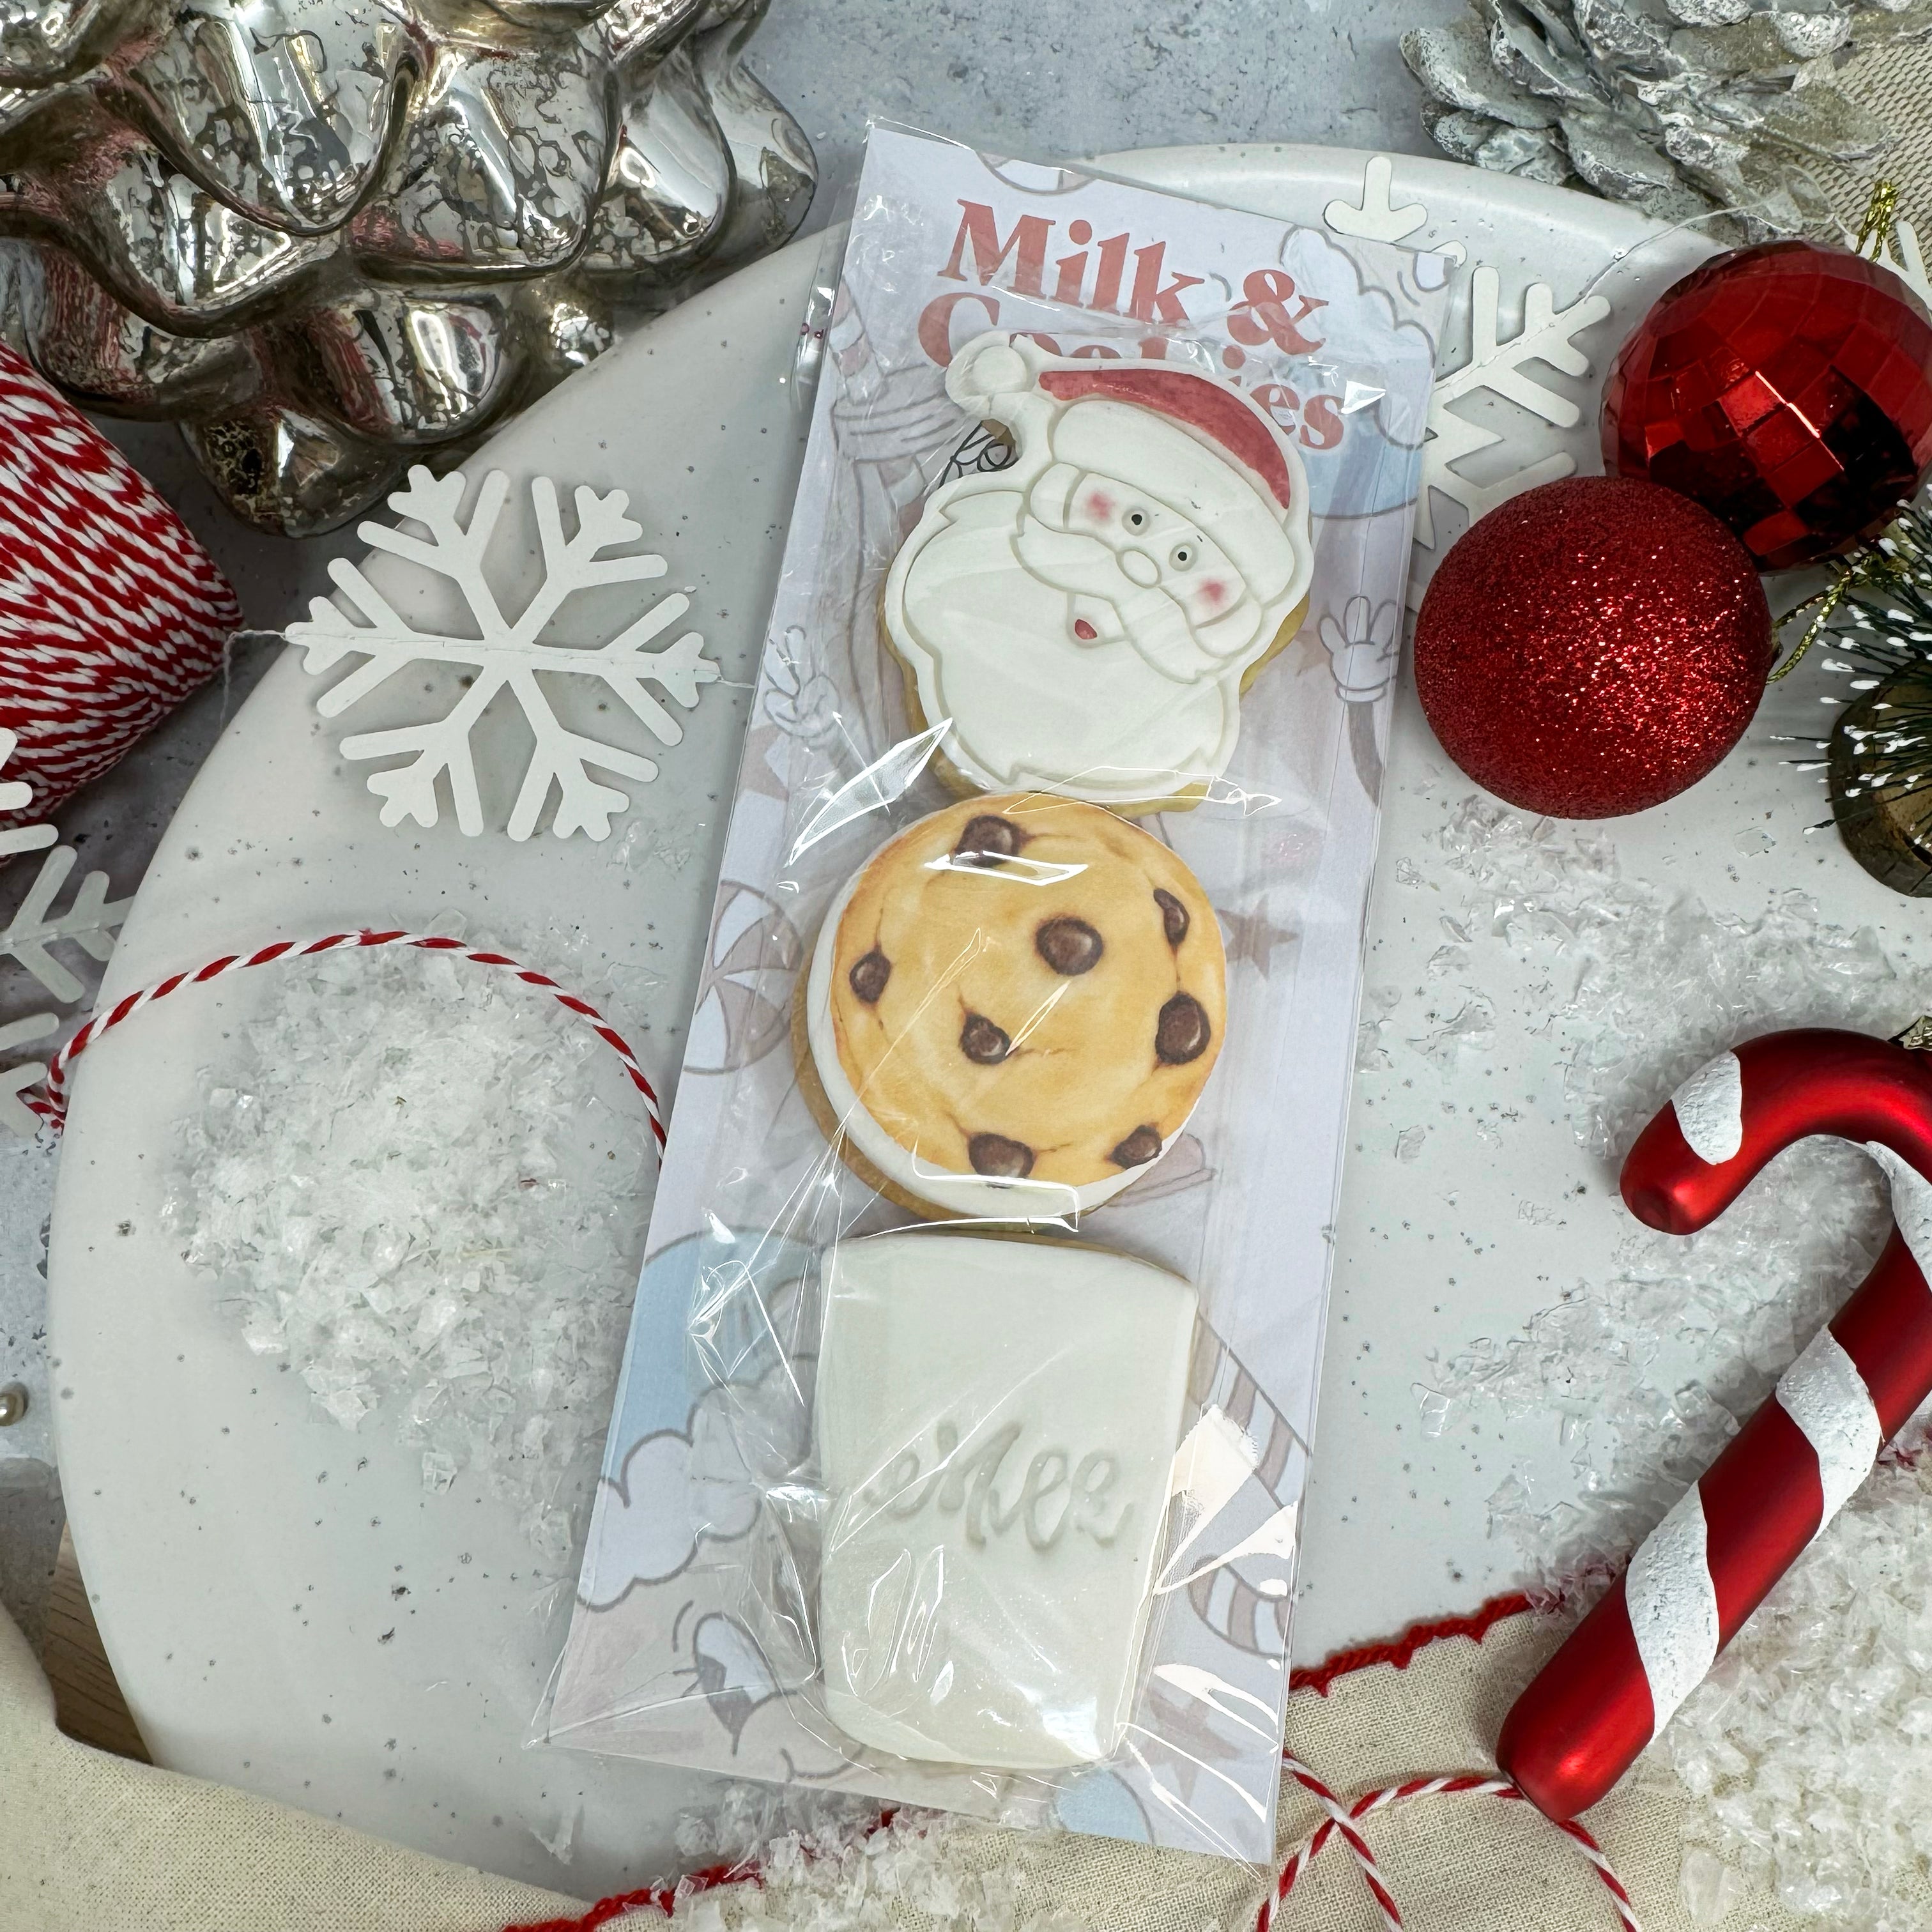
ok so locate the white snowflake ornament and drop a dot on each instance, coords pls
(505, 654)
(89, 923)
(16, 1116)
(16, 795)
(1548, 335)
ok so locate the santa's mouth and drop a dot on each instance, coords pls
(1084, 630)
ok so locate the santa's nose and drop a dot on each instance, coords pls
(1140, 568)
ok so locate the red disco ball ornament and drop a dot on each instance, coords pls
(1592, 647)
(1786, 387)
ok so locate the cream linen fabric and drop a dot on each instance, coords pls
(90, 1843)
(93, 1842)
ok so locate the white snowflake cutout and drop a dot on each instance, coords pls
(15, 1114)
(1373, 218)
(1548, 335)
(89, 923)
(16, 795)
(1900, 251)
(504, 654)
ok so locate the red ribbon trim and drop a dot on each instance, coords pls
(1401, 1651)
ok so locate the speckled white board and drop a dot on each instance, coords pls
(252, 1561)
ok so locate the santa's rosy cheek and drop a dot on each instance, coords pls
(1099, 505)
(1212, 592)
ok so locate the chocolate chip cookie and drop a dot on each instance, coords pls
(1014, 1006)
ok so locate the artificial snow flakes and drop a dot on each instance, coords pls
(827, 1861)
(378, 1188)
(1810, 1742)
(505, 654)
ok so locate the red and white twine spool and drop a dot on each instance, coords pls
(110, 612)
(51, 1102)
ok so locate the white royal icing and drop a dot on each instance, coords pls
(1911, 1203)
(1083, 617)
(993, 1423)
(1823, 1393)
(972, 1194)
(1710, 1110)
(1673, 1608)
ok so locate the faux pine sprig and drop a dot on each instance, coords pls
(1876, 619)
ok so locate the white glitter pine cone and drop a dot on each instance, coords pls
(333, 237)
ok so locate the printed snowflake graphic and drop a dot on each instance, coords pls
(504, 654)
(88, 922)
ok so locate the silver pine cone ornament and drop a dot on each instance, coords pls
(332, 237)
(1681, 106)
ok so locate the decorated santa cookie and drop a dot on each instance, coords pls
(1086, 618)
(1012, 1009)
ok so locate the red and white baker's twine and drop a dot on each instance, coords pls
(1344, 1822)
(51, 1104)
(110, 612)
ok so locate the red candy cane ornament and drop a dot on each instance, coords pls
(1708, 1564)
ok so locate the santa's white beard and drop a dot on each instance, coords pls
(1028, 700)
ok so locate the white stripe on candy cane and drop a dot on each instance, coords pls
(1672, 1606)
(1668, 1591)
(1911, 1203)
(1823, 1393)
(1710, 1110)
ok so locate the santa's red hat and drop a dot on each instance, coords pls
(1191, 441)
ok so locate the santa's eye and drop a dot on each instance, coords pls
(1136, 519)
(1182, 556)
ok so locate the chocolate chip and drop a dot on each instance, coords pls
(1183, 1033)
(1138, 1148)
(1003, 1159)
(1173, 915)
(869, 976)
(1068, 946)
(980, 1040)
(989, 837)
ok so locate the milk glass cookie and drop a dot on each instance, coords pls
(995, 1423)
(1086, 618)
(1012, 1009)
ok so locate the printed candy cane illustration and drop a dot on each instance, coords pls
(1700, 1573)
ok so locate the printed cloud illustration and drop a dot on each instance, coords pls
(1360, 329)
(746, 1697)
(672, 1490)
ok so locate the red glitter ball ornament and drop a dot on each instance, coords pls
(1786, 387)
(1592, 647)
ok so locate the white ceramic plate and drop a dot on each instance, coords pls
(245, 1553)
